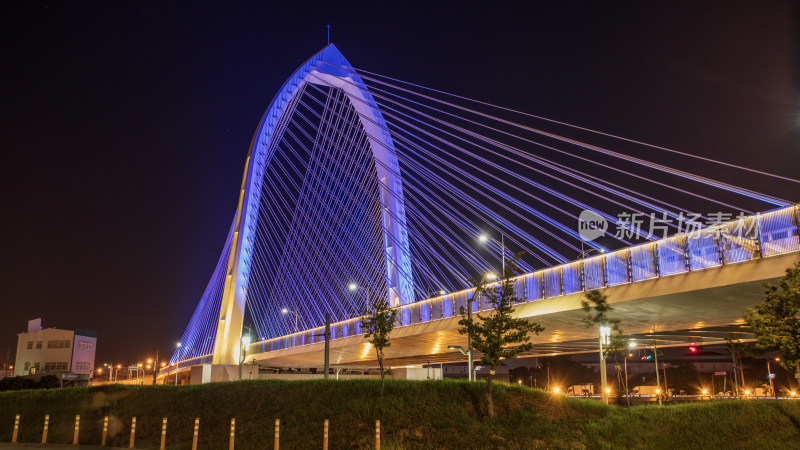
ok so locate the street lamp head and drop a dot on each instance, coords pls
(149, 361)
(285, 310)
(777, 359)
(483, 238)
(179, 345)
(632, 344)
(490, 276)
(442, 292)
(352, 286)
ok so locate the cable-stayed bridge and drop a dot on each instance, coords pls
(358, 178)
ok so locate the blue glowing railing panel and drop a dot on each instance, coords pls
(779, 232)
(643, 262)
(552, 282)
(672, 255)
(703, 251)
(571, 278)
(593, 273)
(533, 286)
(617, 268)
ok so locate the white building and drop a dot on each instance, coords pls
(66, 353)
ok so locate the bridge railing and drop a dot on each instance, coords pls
(186, 363)
(760, 236)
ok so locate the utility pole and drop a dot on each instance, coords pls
(470, 368)
(604, 333)
(735, 371)
(155, 368)
(327, 343)
(655, 356)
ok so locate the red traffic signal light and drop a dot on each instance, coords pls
(692, 349)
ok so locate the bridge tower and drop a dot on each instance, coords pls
(331, 69)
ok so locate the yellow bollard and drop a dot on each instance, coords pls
(233, 432)
(377, 435)
(16, 430)
(77, 427)
(133, 430)
(277, 433)
(196, 428)
(105, 431)
(325, 436)
(163, 434)
(44, 430)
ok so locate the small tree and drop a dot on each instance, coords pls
(775, 322)
(493, 334)
(598, 302)
(377, 325)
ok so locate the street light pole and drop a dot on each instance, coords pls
(296, 318)
(605, 332)
(177, 366)
(769, 375)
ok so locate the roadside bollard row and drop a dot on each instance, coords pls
(195, 435)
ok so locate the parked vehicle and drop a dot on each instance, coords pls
(583, 390)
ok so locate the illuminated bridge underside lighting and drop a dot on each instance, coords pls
(361, 179)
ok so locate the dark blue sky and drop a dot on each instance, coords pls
(124, 125)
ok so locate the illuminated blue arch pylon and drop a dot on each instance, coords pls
(327, 68)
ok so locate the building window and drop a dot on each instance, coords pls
(83, 366)
(27, 366)
(30, 345)
(38, 345)
(56, 366)
(58, 344)
(85, 345)
(35, 367)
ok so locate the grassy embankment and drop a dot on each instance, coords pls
(440, 414)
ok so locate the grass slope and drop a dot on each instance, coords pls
(435, 414)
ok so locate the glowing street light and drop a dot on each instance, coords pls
(468, 354)
(483, 238)
(285, 311)
(490, 276)
(556, 390)
(178, 345)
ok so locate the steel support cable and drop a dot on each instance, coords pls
(573, 173)
(569, 231)
(545, 146)
(563, 228)
(470, 206)
(577, 127)
(559, 257)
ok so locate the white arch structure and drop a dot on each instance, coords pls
(327, 68)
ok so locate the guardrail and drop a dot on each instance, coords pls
(763, 235)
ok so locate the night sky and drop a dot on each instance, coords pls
(124, 125)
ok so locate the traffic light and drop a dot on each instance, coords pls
(646, 357)
(693, 349)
